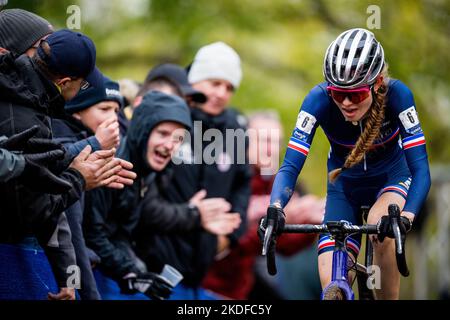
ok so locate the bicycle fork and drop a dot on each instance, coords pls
(339, 275)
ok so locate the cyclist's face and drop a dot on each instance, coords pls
(218, 92)
(354, 111)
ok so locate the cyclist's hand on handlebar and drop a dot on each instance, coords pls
(384, 227)
(410, 216)
(277, 214)
(270, 227)
(405, 225)
(278, 217)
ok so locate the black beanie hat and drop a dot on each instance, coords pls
(20, 29)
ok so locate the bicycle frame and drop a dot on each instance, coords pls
(339, 275)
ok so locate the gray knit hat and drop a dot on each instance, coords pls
(20, 29)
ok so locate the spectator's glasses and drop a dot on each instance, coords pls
(84, 85)
(354, 95)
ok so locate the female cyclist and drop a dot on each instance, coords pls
(362, 112)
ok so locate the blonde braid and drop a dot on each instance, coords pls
(370, 133)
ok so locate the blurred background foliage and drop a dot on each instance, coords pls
(281, 44)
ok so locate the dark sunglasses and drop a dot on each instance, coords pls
(354, 95)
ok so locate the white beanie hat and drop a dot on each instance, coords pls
(216, 61)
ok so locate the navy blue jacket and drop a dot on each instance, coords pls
(75, 137)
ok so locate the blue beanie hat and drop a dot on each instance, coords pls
(92, 95)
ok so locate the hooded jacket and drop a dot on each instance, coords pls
(27, 98)
(111, 216)
(182, 242)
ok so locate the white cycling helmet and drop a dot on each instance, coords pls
(353, 60)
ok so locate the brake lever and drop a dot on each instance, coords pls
(398, 239)
(394, 215)
(267, 236)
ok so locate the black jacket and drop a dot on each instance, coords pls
(181, 242)
(109, 220)
(171, 233)
(111, 216)
(26, 99)
(161, 216)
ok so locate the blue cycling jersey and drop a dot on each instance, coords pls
(387, 152)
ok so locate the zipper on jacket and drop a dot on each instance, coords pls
(365, 163)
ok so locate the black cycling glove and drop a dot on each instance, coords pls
(277, 215)
(384, 227)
